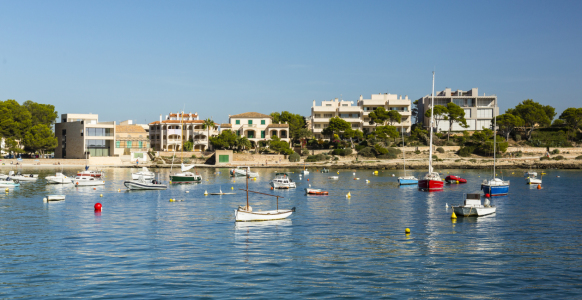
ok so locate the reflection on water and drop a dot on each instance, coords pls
(332, 246)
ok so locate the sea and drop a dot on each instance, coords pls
(144, 246)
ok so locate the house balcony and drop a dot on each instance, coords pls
(349, 109)
(323, 109)
(321, 120)
(353, 120)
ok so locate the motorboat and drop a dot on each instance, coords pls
(530, 173)
(246, 213)
(310, 191)
(9, 183)
(333, 177)
(59, 178)
(185, 177)
(472, 207)
(324, 170)
(533, 180)
(144, 184)
(432, 180)
(406, 179)
(19, 176)
(495, 186)
(53, 198)
(455, 179)
(145, 173)
(282, 181)
(243, 171)
(87, 181)
(91, 173)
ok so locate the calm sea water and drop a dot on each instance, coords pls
(144, 247)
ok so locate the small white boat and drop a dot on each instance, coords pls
(53, 198)
(91, 173)
(533, 180)
(246, 213)
(59, 178)
(9, 183)
(333, 177)
(144, 184)
(282, 181)
(530, 173)
(145, 173)
(472, 207)
(87, 181)
(19, 176)
(221, 193)
(243, 171)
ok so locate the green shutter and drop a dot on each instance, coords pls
(263, 134)
(223, 158)
(117, 144)
(140, 144)
(262, 122)
(250, 122)
(237, 122)
(128, 144)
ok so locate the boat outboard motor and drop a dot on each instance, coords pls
(31, 175)
(487, 202)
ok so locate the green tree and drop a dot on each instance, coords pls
(242, 143)
(302, 134)
(188, 145)
(336, 126)
(378, 116)
(572, 117)
(15, 120)
(41, 113)
(11, 146)
(533, 114)
(296, 122)
(225, 140)
(507, 123)
(279, 146)
(385, 132)
(455, 114)
(353, 134)
(394, 117)
(208, 123)
(439, 113)
(40, 139)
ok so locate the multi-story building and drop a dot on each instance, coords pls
(258, 127)
(479, 110)
(130, 138)
(358, 115)
(168, 134)
(82, 135)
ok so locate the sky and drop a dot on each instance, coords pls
(139, 59)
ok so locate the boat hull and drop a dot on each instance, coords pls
(185, 179)
(455, 179)
(495, 190)
(89, 182)
(241, 172)
(407, 181)
(54, 198)
(58, 180)
(430, 185)
(135, 176)
(9, 184)
(132, 185)
(244, 216)
(533, 181)
(473, 211)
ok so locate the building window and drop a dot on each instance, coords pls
(327, 115)
(238, 133)
(140, 144)
(318, 115)
(262, 122)
(485, 113)
(117, 144)
(262, 133)
(317, 125)
(344, 105)
(328, 105)
(98, 132)
(237, 122)
(355, 125)
(250, 122)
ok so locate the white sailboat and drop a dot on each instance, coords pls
(432, 180)
(495, 186)
(246, 213)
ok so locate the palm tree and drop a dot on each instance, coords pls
(208, 123)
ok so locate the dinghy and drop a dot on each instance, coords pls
(59, 178)
(472, 207)
(145, 173)
(455, 179)
(53, 198)
(310, 191)
(143, 184)
(246, 213)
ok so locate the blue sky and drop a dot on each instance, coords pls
(139, 59)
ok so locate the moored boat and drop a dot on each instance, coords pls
(87, 181)
(91, 173)
(324, 170)
(282, 181)
(145, 173)
(310, 191)
(243, 171)
(455, 179)
(54, 198)
(472, 207)
(406, 179)
(19, 176)
(143, 184)
(59, 178)
(9, 183)
(432, 180)
(533, 180)
(246, 213)
(495, 186)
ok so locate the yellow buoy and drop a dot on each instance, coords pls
(171, 200)
(7, 190)
(205, 193)
(349, 195)
(453, 216)
(100, 195)
(407, 230)
(255, 179)
(457, 181)
(232, 187)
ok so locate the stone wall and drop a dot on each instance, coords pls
(258, 158)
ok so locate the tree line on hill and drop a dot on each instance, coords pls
(27, 127)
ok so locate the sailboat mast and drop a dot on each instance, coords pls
(494, 143)
(182, 138)
(403, 152)
(431, 126)
(247, 176)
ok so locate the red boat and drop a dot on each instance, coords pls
(455, 179)
(431, 182)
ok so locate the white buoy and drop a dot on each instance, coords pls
(44, 199)
(187, 191)
(354, 173)
(310, 185)
(446, 205)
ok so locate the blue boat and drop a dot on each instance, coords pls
(495, 186)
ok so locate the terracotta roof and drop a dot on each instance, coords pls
(251, 115)
(129, 129)
(226, 125)
(178, 122)
(278, 126)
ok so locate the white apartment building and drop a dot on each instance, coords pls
(168, 134)
(479, 110)
(258, 127)
(82, 135)
(358, 115)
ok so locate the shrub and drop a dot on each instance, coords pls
(360, 147)
(335, 158)
(342, 152)
(518, 137)
(387, 156)
(417, 152)
(579, 157)
(294, 157)
(555, 151)
(473, 160)
(305, 152)
(435, 157)
(367, 152)
(559, 157)
(380, 150)
(440, 150)
(544, 158)
(465, 151)
(458, 160)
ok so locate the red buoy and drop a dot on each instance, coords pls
(98, 206)
(487, 195)
(307, 179)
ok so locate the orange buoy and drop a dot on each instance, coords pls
(539, 186)
(307, 179)
(271, 187)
